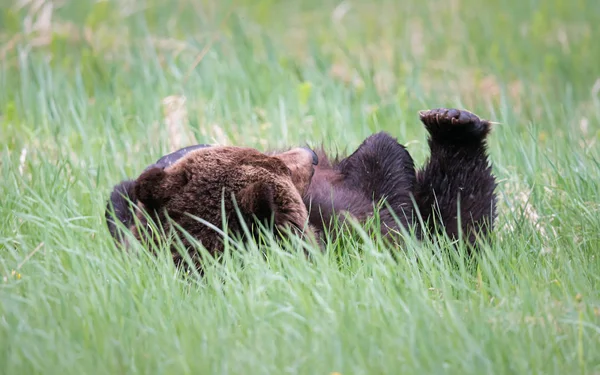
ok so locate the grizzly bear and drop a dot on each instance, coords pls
(302, 191)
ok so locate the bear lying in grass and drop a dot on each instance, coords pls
(304, 191)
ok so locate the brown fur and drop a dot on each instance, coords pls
(289, 189)
(194, 186)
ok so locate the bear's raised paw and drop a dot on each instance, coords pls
(452, 125)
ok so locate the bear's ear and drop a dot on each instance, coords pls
(257, 199)
(149, 188)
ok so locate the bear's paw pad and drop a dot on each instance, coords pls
(457, 122)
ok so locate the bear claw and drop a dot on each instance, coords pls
(450, 124)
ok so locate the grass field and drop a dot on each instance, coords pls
(92, 92)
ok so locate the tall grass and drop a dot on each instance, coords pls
(85, 89)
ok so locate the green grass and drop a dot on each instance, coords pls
(81, 91)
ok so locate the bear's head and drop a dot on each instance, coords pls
(197, 186)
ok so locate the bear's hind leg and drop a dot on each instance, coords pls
(457, 175)
(381, 168)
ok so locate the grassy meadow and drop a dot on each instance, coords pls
(93, 91)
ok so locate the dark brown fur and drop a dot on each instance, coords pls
(267, 188)
(288, 189)
(455, 183)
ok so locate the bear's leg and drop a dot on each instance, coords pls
(381, 168)
(458, 178)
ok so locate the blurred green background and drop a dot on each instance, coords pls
(93, 91)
